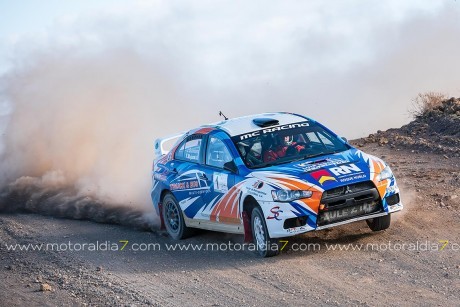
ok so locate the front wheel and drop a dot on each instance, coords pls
(379, 223)
(266, 246)
(173, 218)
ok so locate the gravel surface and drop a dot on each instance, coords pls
(391, 275)
(99, 255)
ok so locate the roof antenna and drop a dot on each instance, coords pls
(222, 114)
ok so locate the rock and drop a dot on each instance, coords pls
(99, 269)
(445, 157)
(383, 141)
(454, 197)
(45, 287)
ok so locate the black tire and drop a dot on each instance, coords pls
(266, 246)
(379, 223)
(173, 218)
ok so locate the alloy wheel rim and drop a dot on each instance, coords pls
(259, 233)
(172, 216)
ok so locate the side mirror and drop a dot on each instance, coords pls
(231, 167)
(344, 139)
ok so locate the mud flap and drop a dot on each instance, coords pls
(247, 228)
(162, 222)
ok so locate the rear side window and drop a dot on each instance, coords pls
(217, 153)
(189, 150)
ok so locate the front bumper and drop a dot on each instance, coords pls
(289, 219)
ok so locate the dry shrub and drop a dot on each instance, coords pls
(425, 102)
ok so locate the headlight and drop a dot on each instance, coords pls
(290, 195)
(385, 174)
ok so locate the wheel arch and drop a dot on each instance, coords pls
(160, 207)
(163, 194)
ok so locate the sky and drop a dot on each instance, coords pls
(86, 86)
(336, 61)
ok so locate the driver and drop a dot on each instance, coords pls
(280, 149)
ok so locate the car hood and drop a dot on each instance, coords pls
(324, 172)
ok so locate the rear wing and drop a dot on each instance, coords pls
(159, 150)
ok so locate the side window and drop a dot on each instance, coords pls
(189, 150)
(313, 138)
(325, 140)
(217, 153)
(319, 138)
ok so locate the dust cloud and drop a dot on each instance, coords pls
(80, 134)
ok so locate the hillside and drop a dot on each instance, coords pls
(435, 129)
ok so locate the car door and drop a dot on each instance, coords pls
(222, 203)
(190, 183)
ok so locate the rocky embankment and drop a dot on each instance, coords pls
(435, 130)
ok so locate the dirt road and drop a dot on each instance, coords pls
(405, 266)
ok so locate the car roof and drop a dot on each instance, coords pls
(245, 124)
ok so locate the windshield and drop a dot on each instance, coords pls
(286, 143)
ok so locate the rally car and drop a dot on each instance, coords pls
(269, 176)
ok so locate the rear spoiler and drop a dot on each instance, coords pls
(159, 150)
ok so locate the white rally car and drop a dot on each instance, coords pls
(269, 176)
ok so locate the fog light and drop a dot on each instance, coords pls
(393, 199)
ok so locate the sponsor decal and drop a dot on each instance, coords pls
(273, 129)
(204, 130)
(347, 173)
(349, 212)
(160, 177)
(164, 159)
(184, 185)
(276, 212)
(312, 166)
(256, 189)
(258, 184)
(220, 182)
(323, 176)
(190, 180)
(297, 229)
(198, 192)
(353, 178)
(345, 169)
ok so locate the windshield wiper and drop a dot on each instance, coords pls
(321, 154)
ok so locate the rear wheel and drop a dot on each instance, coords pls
(266, 246)
(379, 223)
(174, 219)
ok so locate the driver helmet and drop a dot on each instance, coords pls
(288, 139)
